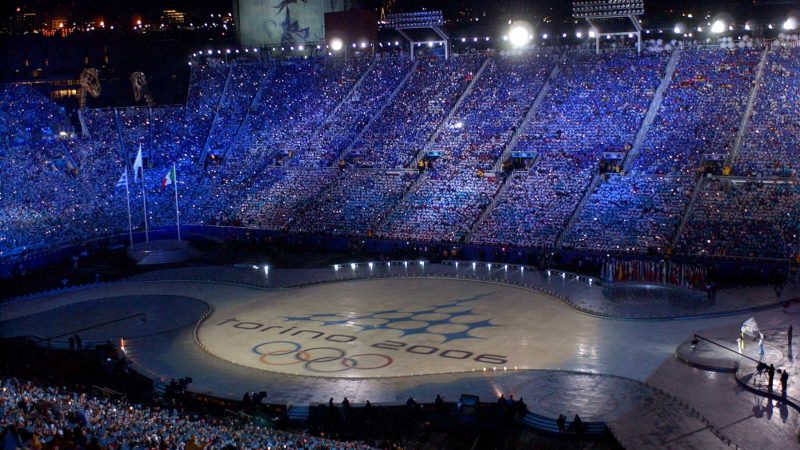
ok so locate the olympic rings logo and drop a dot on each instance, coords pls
(318, 359)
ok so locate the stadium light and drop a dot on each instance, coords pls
(336, 44)
(790, 24)
(519, 34)
(592, 34)
(718, 26)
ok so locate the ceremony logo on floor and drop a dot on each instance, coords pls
(341, 331)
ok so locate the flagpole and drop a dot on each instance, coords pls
(144, 200)
(177, 211)
(128, 195)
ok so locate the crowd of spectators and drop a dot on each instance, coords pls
(274, 207)
(28, 116)
(748, 219)
(46, 417)
(341, 128)
(631, 213)
(296, 103)
(700, 112)
(595, 105)
(478, 132)
(415, 112)
(442, 206)
(241, 91)
(354, 203)
(47, 201)
(534, 208)
(772, 142)
(279, 128)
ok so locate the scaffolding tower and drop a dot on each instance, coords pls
(604, 13)
(407, 23)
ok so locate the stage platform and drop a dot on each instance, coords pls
(168, 251)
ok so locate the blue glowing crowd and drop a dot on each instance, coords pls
(422, 150)
(33, 416)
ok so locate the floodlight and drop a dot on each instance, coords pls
(718, 26)
(519, 34)
(790, 24)
(336, 44)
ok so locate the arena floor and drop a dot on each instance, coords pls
(383, 340)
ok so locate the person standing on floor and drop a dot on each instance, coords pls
(761, 344)
(770, 376)
(784, 380)
(790, 335)
(560, 423)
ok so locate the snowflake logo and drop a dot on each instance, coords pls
(453, 321)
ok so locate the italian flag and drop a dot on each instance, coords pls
(169, 178)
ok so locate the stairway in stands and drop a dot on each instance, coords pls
(751, 101)
(596, 180)
(698, 187)
(652, 111)
(506, 182)
(531, 113)
(244, 124)
(450, 115)
(335, 111)
(204, 153)
(388, 102)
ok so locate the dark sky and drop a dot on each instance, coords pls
(656, 9)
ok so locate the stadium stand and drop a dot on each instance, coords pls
(258, 145)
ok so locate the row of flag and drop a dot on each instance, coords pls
(666, 272)
(169, 178)
(138, 172)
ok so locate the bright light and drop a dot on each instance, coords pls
(544, 36)
(592, 34)
(790, 24)
(301, 48)
(579, 35)
(718, 26)
(363, 45)
(747, 27)
(336, 44)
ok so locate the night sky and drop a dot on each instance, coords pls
(656, 9)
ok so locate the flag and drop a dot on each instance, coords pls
(137, 165)
(123, 180)
(750, 327)
(169, 178)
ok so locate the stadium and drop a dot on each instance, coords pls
(374, 226)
